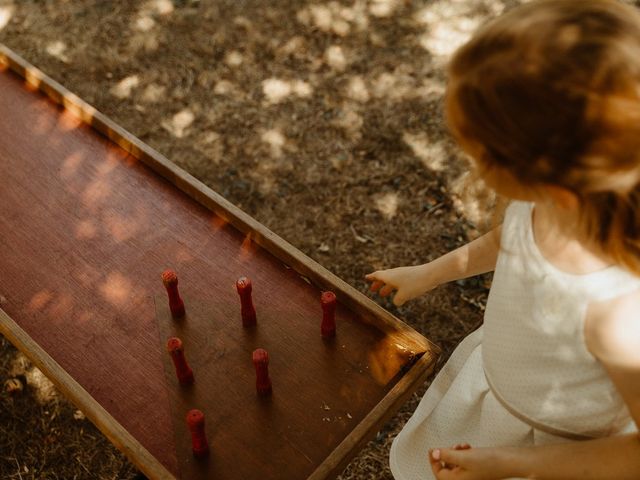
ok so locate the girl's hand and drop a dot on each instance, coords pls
(462, 462)
(410, 282)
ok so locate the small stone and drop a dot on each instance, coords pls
(324, 248)
(13, 386)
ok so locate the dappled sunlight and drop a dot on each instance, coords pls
(144, 37)
(6, 12)
(70, 165)
(184, 255)
(267, 183)
(146, 41)
(110, 163)
(450, 23)
(154, 93)
(276, 90)
(388, 357)
(295, 46)
(124, 87)
(431, 89)
(159, 7)
(57, 50)
(384, 8)
(121, 227)
(350, 120)
(179, 123)
(211, 145)
(144, 23)
(387, 205)
(69, 121)
(335, 18)
(43, 388)
(218, 223)
(118, 289)
(403, 83)
(95, 193)
(334, 57)
(32, 79)
(61, 307)
(471, 197)
(228, 89)
(77, 107)
(394, 86)
(234, 58)
(444, 39)
(248, 248)
(276, 141)
(357, 89)
(86, 230)
(432, 153)
(39, 301)
(273, 159)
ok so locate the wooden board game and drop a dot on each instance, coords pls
(91, 217)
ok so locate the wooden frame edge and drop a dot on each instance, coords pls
(72, 390)
(336, 462)
(213, 201)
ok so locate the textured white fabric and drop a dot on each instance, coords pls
(532, 349)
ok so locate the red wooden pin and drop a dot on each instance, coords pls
(248, 312)
(328, 304)
(183, 370)
(170, 280)
(261, 362)
(199, 444)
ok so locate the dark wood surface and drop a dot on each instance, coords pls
(322, 388)
(87, 230)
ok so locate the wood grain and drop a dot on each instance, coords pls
(73, 391)
(87, 230)
(322, 389)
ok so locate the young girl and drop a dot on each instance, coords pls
(546, 102)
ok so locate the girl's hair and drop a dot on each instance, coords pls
(550, 91)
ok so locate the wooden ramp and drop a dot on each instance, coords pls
(90, 217)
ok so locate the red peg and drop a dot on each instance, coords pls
(328, 303)
(261, 362)
(248, 312)
(195, 421)
(170, 280)
(183, 370)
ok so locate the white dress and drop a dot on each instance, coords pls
(525, 377)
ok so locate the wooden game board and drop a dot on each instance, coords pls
(88, 224)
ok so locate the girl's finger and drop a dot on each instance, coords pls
(436, 464)
(375, 286)
(386, 290)
(399, 300)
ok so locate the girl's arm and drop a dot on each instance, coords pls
(474, 258)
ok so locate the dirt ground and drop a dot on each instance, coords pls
(323, 120)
